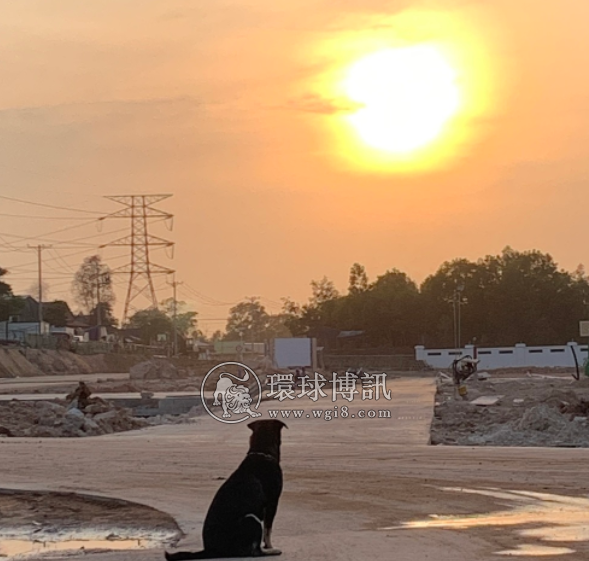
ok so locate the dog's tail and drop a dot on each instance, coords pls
(186, 555)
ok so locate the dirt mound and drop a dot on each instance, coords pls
(58, 362)
(531, 412)
(13, 364)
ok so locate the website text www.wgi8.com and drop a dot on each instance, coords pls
(342, 412)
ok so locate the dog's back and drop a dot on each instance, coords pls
(239, 507)
(243, 509)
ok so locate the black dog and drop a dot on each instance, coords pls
(241, 514)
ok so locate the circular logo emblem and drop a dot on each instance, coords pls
(230, 384)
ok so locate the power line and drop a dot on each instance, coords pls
(43, 236)
(270, 302)
(65, 257)
(43, 217)
(75, 241)
(48, 206)
(208, 299)
(61, 230)
(50, 258)
(62, 261)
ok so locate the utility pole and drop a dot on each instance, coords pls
(101, 278)
(456, 303)
(140, 210)
(39, 249)
(174, 284)
(98, 318)
(454, 322)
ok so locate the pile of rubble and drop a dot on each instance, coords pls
(79, 414)
(517, 412)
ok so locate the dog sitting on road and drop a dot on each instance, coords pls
(242, 512)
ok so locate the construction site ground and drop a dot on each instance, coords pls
(354, 488)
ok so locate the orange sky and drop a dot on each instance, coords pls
(229, 106)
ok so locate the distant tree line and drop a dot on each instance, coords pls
(514, 297)
(504, 299)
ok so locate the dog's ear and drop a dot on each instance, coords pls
(254, 426)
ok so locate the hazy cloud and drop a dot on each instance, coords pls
(312, 103)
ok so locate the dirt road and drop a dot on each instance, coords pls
(345, 480)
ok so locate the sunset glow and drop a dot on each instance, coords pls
(411, 94)
(406, 97)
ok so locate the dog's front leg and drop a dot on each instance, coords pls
(268, 537)
(268, 520)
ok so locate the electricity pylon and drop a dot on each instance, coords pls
(139, 209)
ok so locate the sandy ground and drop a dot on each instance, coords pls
(345, 480)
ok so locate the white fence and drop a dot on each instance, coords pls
(520, 356)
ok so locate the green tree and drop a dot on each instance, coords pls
(277, 327)
(106, 315)
(514, 297)
(322, 291)
(93, 283)
(358, 279)
(216, 336)
(248, 321)
(9, 303)
(534, 301)
(151, 323)
(186, 321)
(56, 313)
(299, 319)
(292, 314)
(440, 295)
(5, 288)
(390, 311)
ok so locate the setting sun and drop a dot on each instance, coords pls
(405, 96)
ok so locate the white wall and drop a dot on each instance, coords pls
(520, 356)
(68, 330)
(18, 330)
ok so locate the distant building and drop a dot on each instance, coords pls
(57, 309)
(58, 318)
(18, 330)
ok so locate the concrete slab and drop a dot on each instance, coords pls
(61, 378)
(487, 400)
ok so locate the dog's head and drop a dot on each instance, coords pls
(265, 437)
